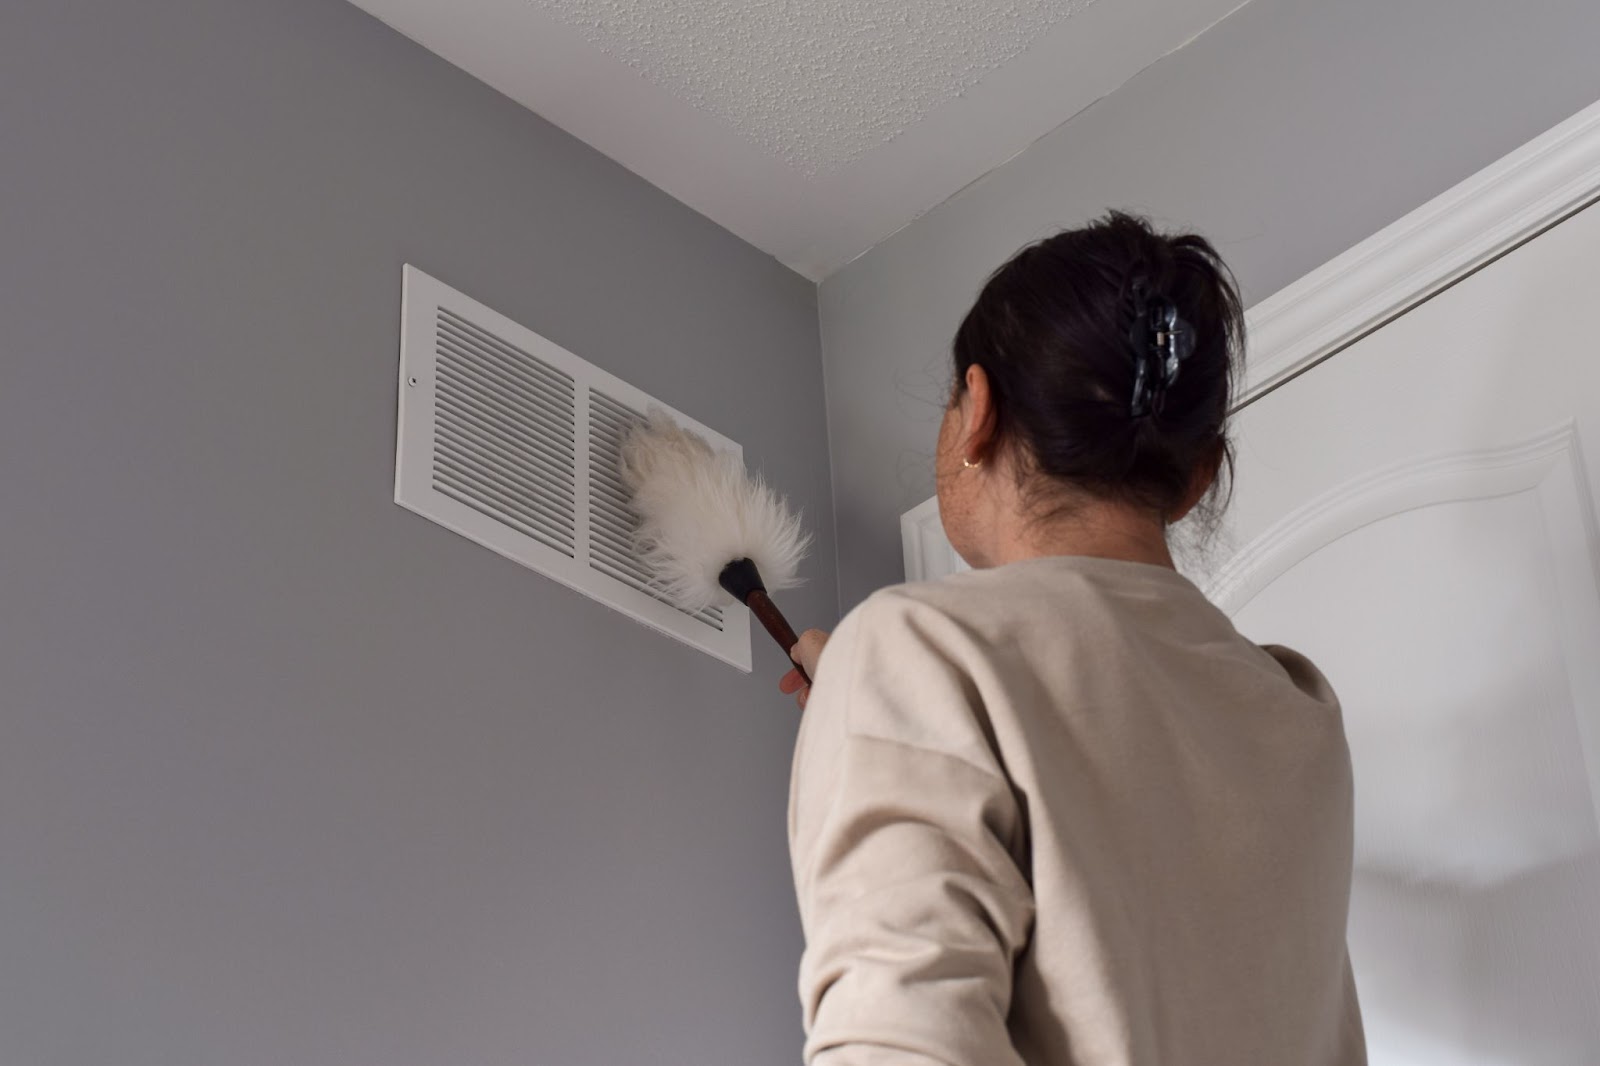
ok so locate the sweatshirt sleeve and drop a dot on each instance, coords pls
(904, 834)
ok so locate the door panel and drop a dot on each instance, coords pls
(1416, 514)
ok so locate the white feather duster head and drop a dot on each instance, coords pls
(700, 510)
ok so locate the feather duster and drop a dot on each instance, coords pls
(710, 531)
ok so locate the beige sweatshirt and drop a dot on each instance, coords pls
(1061, 812)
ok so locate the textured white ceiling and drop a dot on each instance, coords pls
(811, 128)
(815, 82)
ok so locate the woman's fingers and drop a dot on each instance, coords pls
(805, 653)
(808, 650)
(793, 684)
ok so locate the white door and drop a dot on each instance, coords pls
(1417, 515)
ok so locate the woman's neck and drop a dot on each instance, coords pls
(1086, 527)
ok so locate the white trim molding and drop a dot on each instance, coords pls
(1449, 237)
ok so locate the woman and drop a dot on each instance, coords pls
(1057, 810)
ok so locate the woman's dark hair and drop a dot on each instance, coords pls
(1051, 329)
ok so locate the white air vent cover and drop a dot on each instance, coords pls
(511, 440)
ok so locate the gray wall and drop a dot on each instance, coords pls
(288, 775)
(1288, 132)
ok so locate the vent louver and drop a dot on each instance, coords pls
(503, 425)
(513, 442)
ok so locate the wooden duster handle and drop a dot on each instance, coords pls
(743, 582)
(768, 615)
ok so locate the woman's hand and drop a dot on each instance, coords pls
(806, 653)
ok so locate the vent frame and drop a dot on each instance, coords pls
(465, 410)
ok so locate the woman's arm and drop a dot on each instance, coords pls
(902, 830)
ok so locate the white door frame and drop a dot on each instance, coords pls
(1457, 232)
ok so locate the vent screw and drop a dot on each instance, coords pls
(413, 381)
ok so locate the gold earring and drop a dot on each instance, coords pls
(969, 464)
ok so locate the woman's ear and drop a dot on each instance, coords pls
(979, 419)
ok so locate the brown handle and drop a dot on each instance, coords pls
(767, 613)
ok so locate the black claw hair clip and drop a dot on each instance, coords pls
(1162, 339)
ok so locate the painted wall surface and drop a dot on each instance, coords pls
(289, 775)
(1287, 133)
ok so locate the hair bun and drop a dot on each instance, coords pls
(1110, 351)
